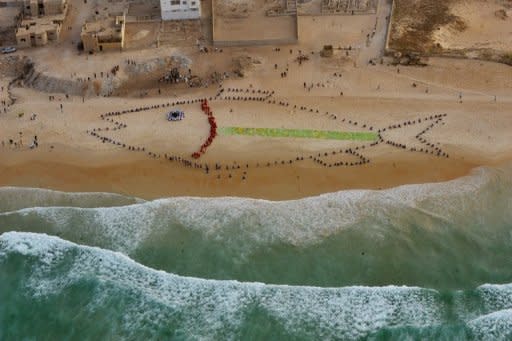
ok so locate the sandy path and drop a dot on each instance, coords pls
(375, 49)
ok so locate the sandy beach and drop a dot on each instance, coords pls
(137, 178)
(474, 134)
(102, 130)
(256, 170)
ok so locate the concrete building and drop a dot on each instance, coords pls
(104, 34)
(180, 9)
(38, 8)
(10, 16)
(39, 31)
(348, 6)
(42, 22)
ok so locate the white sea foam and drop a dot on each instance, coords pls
(496, 297)
(206, 307)
(120, 228)
(247, 223)
(496, 326)
(46, 248)
(15, 198)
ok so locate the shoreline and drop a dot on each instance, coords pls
(418, 113)
(152, 179)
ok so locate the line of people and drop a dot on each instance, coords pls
(213, 129)
(432, 148)
(319, 159)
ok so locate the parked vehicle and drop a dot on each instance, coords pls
(8, 49)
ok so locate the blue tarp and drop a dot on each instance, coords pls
(175, 115)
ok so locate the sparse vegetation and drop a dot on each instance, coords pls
(415, 22)
(507, 58)
(501, 14)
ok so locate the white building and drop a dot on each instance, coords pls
(180, 9)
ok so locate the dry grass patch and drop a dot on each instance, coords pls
(415, 21)
(507, 58)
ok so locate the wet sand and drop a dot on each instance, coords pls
(150, 179)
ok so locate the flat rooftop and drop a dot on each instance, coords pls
(10, 3)
(8, 16)
(106, 9)
(40, 25)
(150, 10)
(105, 29)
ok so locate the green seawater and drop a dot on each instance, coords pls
(419, 262)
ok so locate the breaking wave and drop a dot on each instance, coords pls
(447, 235)
(16, 198)
(60, 289)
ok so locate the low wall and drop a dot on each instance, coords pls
(10, 4)
(329, 14)
(117, 46)
(387, 50)
(334, 12)
(234, 43)
(183, 15)
(228, 43)
(141, 20)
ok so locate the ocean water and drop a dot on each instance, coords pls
(416, 262)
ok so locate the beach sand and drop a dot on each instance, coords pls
(153, 179)
(475, 133)
(475, 96)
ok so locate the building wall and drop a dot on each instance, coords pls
(52, 7)
(90, 42)
(30, 8)
(53, 35)
(168, 15)
(23, 40)
(41, 38)
(122, 20)
(32, 38)
(110, 46)
(93, 41)
(180, 9)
